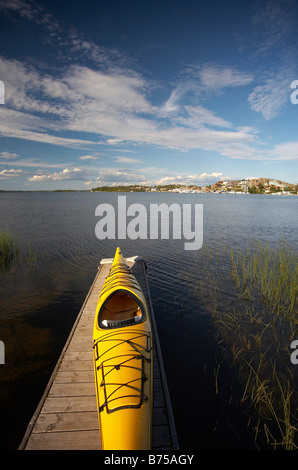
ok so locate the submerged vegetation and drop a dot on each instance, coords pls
(12, 252)
(254, 335)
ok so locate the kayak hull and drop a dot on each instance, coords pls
(122, 344)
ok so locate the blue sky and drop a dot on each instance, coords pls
(147, 92)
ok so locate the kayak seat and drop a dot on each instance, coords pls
(113, 323)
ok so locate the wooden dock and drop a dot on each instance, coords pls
(66, 417)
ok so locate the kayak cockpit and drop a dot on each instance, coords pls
(120, 309)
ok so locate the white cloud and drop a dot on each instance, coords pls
(26, 126)
(68, 39)
(30, 12)
(150, 176)
(126, 160)
(114, 105)
(34, 163)
(66, 174)
(117, 90)
(44, 137)
(198, 115)
(8, 155)
(81, 100)
(284, 151)
(209, 176)
(88, 157)
(270, 97)
(274, 21)
(204, 138)
(171, 105)
(199, 81)
(191, 179)
(23, 83)
(215, 77)
(4, 174)
(116, 177)
(22, 7)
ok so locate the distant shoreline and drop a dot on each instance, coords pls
(157, 191)
(244, 186)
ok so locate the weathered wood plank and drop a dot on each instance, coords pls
(74, 440)
(72, 389)
(160, 417)
(161, 437)
(69, 404)
(56, 422)
(77, 356)
(74, 365)
(79, 376)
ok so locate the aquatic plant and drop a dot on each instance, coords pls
(254, 335)
(272, 274)
(10, 249)
(12, 252)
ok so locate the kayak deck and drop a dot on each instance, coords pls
(66, 417)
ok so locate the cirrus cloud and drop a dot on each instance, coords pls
(114, 104)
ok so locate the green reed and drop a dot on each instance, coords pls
(272, 275)
(10, 249)
(254, 334)
(12, 252)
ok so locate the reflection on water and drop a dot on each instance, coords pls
(39, 302)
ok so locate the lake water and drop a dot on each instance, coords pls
(40, 301)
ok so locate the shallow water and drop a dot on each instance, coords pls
(40, 301)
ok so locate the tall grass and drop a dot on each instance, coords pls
(266, 280)
(10, 249)
(273, 274)
(255, 333)
(12, 252)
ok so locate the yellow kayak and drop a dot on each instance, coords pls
(123, 361)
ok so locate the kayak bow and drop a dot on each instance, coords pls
(122, 343)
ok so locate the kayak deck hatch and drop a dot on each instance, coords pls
(119, 392)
